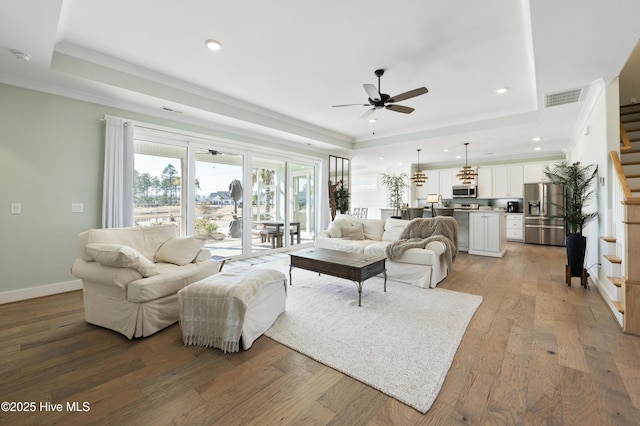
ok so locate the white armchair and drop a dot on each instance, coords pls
(131, 276)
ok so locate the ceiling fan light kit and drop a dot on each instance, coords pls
(466, 174)
(419, 178)
(379, 100)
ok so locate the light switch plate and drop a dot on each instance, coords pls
(77, 208)
(16, 208)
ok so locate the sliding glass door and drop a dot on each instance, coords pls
(245, 203)
(303, 203)
(219, 203)
(268, 197)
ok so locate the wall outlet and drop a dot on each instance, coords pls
(16, 208)
(77, 208)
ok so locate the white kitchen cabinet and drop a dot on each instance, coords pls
(447, 178)
(487, 233)
(508, 181)
(438, 182)
(515, 227)
(534, 172)
(432, 185)
(485, 182)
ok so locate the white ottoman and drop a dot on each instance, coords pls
(218, 310)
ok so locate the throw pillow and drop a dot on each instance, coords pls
(373, 229)
(335, 227)
(353, 232)
(180, 250)
(121, 256)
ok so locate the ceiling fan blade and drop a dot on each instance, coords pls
(407, 95)
(400, 108)
(372, 91)
(346, 105)
(367, 113)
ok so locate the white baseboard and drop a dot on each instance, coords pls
(40, 291)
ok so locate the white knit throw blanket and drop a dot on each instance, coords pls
(420, 232)
(212, 310)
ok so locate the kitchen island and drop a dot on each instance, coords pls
(487, 233)
(461, 215)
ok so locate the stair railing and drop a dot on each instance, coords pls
(622, 179)
(624, 139)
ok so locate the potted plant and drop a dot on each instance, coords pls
(576, 181)
(338, 198)
(396, 186)
(342, 197)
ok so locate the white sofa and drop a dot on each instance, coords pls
(131, 276)
(421, 267)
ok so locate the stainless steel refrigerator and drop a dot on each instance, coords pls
(541, 208)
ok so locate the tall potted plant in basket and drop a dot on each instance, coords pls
(576, 181)
(396, 186)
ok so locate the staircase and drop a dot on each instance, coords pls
(621, 251)
(630, 146)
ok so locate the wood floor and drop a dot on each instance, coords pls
(536, 352)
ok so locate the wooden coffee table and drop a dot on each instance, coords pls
(351, 266)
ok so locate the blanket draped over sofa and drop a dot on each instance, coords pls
(421, 231)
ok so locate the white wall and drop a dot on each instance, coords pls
(629, 81)
(366, 191)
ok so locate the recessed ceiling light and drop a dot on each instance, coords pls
(381, 158)
(502, 90)
(20, 55)
(372, 120)
(537, 148)
(458, 157)
(446, 150)
(537, 139)
(213, 44)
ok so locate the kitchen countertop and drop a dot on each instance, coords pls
(475, 210)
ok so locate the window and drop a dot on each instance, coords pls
(158, 184)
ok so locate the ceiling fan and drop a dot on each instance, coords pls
(379, 100)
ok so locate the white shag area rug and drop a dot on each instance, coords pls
(401, 342)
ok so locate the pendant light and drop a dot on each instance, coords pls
(466, 174)
(419, 178)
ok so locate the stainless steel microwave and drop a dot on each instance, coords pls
(464, 191)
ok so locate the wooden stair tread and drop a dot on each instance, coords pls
(609, 239)
(618, 306)
(629, 163)
(617, 281)
(613, 259)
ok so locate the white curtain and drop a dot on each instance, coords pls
(117, 195)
